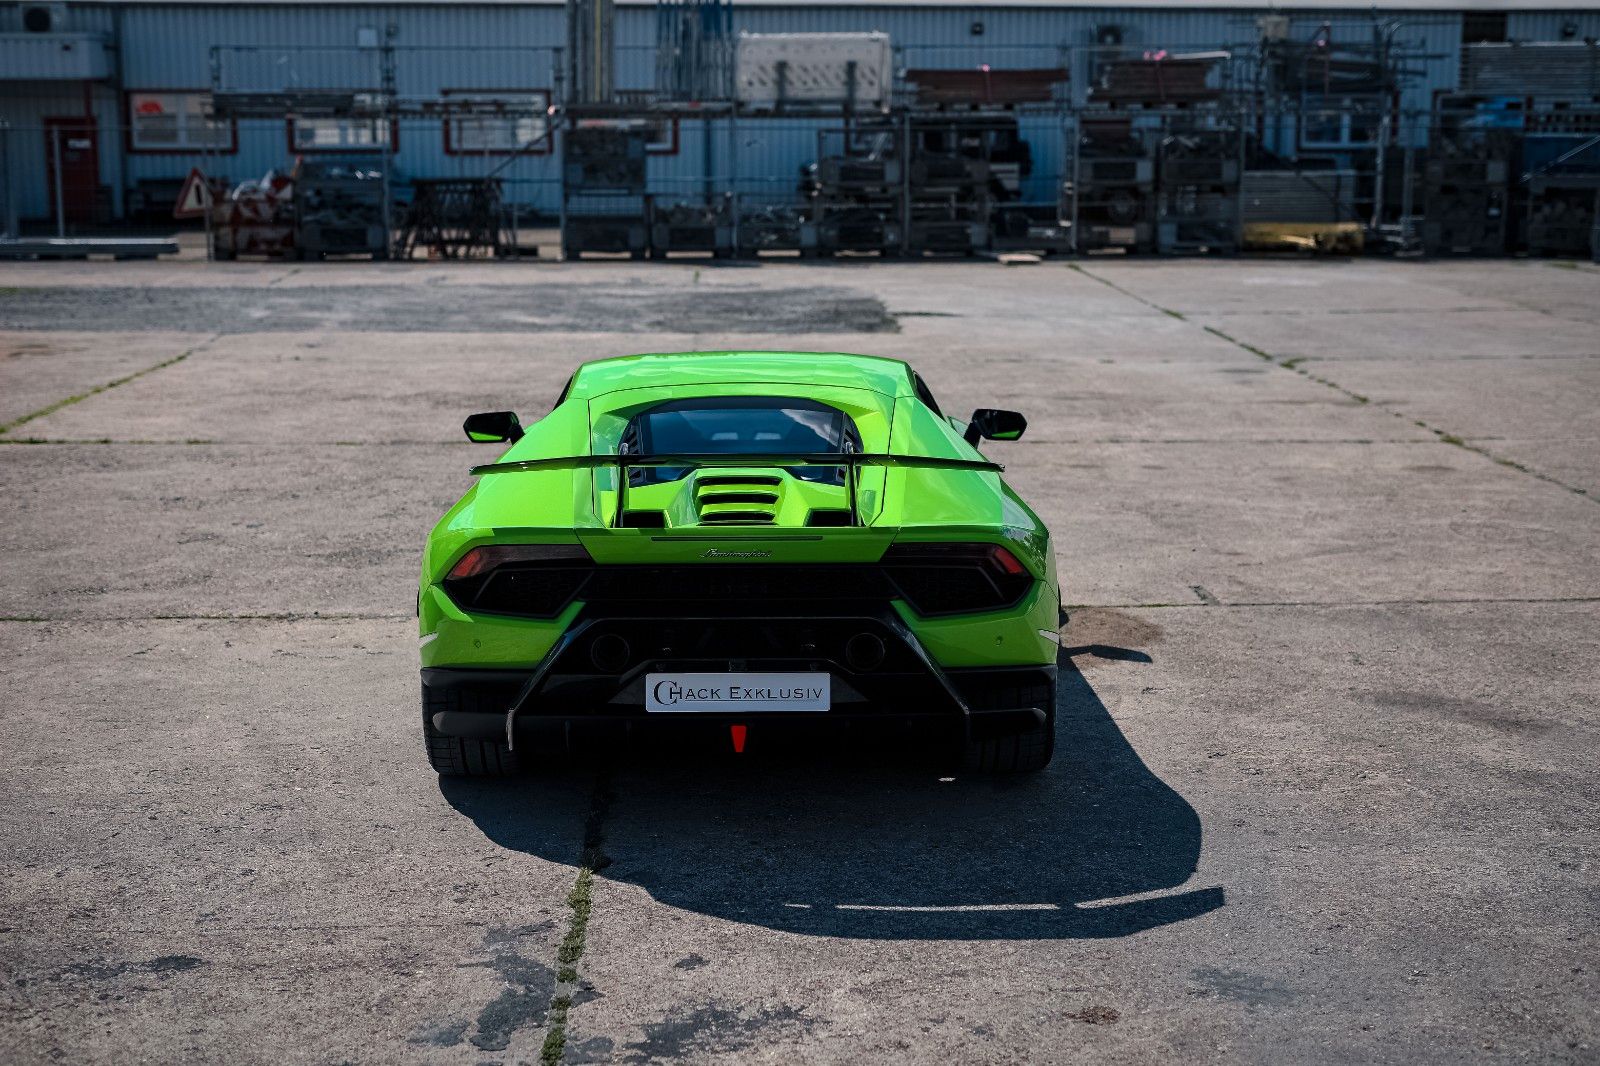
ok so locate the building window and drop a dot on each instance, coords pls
(1483, 27)
(322, 134)
(663, 132)
(1347, 128)
(176, 121)
(490, 122)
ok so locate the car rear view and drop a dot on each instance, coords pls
(739, 548)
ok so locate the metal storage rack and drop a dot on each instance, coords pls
(455, 218)
(948, 185)
(1468, 193)
(1198, 180)
(1112, 191)
(688, 226)
(858, 191)
(775, 227)
(603, 202)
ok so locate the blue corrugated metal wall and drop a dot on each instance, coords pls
(509, 47)
(1549, 25)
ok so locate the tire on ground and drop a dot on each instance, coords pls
(1020, 753)
(462, 756)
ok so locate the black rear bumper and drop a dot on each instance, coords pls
(477, 703)
(593, 679)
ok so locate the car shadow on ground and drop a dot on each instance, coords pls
(853, 844)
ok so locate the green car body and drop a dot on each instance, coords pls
(734, 537)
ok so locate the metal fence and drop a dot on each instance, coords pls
(1138, 179)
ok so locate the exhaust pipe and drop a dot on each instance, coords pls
(610, 654)
(864, 652)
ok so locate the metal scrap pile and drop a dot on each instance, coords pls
(1158, 79)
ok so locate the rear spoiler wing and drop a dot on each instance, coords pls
(853, 460)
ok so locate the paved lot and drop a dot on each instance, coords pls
(1328, 787)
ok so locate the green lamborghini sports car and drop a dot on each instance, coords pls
(739, 547)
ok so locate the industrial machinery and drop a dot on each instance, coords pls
(1468, 192)
(963, 163)
(1198, 179)
(691, 226)
(338, 210)
(604, 208)
(1113, 188)
(1560, 166)
(856, 189)
(1561, 214)
(776, 227)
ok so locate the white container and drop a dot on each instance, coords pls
(814, 68)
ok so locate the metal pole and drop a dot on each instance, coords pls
(560, 145)
(905, 172)
(388, 222)
(707, 160)
(1408, 173)
(208, 193)
(388, 131)
(1380, 169)
(1238, 188)
(8, 223)
(733, 174)
(55, 148)
(1077, 187)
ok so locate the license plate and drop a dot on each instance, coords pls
(735, 692)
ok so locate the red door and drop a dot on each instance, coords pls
(79, 154)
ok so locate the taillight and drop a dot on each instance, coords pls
(471, 564)
(1007, 561)
(938, 579)
(536, 580)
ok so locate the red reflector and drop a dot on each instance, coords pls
(738, 732)
(1008, 562)
(471, 564)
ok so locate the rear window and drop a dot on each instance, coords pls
(754, 425)
(739, 425)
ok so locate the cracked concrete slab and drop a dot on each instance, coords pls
(1553, 394)
(142, 530)
(38, 371)
(1410, 335)
(217, 835)
(1320, 522)
(315, 389)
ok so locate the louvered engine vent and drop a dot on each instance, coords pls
(737, 499)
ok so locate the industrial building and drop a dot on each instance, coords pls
(696, 125)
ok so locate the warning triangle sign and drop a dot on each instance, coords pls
(195, 197)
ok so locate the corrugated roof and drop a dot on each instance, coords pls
(976, 8)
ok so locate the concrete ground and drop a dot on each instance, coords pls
(1327, 787)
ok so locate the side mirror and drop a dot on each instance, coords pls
(990, 424)
(493, 427)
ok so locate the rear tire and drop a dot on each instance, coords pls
(1021, 753)
(463, 756)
